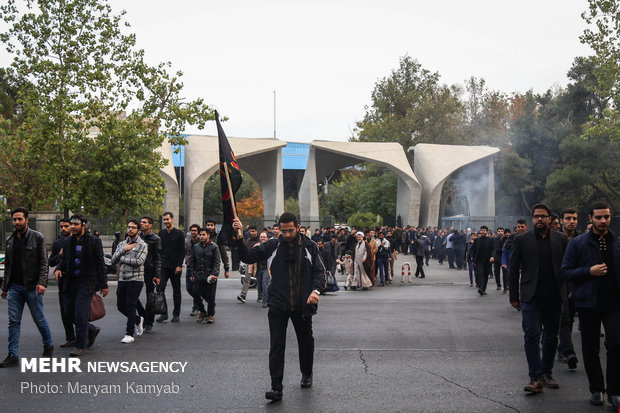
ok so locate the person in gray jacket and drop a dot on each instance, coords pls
(131, 253)
(25, 281)
(204, 264)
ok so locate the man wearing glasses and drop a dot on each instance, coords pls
(131, 253)
(539, 292)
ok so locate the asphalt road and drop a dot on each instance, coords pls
(430, 346)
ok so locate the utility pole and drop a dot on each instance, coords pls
(274, 114)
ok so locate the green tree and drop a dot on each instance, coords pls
(80, 73)
(409, 107)
(362, 220)
(603, 36)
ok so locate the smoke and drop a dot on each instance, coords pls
(472, 182)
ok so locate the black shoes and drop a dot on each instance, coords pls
(9, 361)
(572, 362)
(274, 395)
(597, 399)
(162, 318)
(48, 351)
(175, 319)
(306, 382)
(92, 336)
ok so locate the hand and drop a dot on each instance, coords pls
(238, 226)
(515, 304)
(598, 269)
(57, 275)
(60, 253)
(104, 291)
(191, 278)
(156, 280)
(40, 289)
(226, 274)
(505, 267)
(212, 278)
(128, 247)
(3, 295)
(313, 298)
(178, 270)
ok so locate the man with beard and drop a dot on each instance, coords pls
(189, 284)
(497, 261)
(172, 255)
(592, 268)
(54, 259)
(539, 291)
(152, 267)
(25, 281)
(483, 255)
(251, 268)
(566, 351)
(297, 279)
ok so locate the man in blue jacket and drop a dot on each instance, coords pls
(297, 279)
(591, 266)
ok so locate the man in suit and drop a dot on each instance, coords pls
(483, 256)
(539, 292)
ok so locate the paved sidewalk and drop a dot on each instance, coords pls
(433, 345)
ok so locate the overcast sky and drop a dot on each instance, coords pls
(323, 57)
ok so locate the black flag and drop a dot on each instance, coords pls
(229, 184)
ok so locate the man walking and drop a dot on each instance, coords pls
(172, 255)
(131, 253)
(251, 268)
(189, 284)
(566, 350)
(297, 278)
(204, 263)
(152, 267)
(592, 268)
(483, 256)
(55, 257)
(25, 281)
(497, 260)
(539, 292)
(83, 270)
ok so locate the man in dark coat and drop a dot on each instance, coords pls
(483, 256)
(297, 279)
(539, 292)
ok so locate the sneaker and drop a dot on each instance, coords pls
(127, 339)
(175, 319)
(535, 386)
(210, 319)
(10, 361)
(92, 336)
(48, 351)
(241, 298)
(140, 327)
(201, 317)
(597, 399)
(78, 352)
(195, 312)
(549, 381)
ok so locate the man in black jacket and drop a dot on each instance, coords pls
(172, 256)
(83, 269)
(483, 256)
(54, 260)
(297, 278)
(152, 268)
(25, 281)
(539, 292)
(204, 264)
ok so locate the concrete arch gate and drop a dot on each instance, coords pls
(326, 157)
(418, 194)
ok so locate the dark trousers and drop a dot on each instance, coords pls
(590, 321)
(383, 268)
(278, 322)
(427, 255)
(234, 257)
(259, 284)
(175, 280)
(565, 346)
(459, 257)
(497, 271)
(189, 287)
(77, 307)
(66, 319)
(483, 269)
(541, 316)
(205, 290)
(419, 270)
(150, 287)
(450, 252)
(127, 298)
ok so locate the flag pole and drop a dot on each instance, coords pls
(232, 197)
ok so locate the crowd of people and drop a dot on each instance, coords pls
(550, 273)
